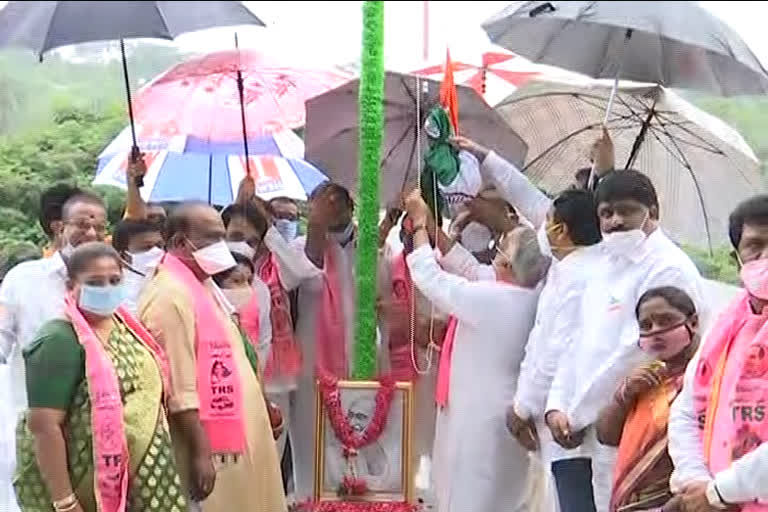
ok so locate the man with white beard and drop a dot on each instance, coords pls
(478, 465)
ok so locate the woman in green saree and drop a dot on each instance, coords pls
(57, 440)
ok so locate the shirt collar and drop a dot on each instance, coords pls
(56, 264)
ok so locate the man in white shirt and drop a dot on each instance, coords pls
(330, 245)
(717, 426)
(478, 465)
(33, 293)
(635, 256)
(570, 232)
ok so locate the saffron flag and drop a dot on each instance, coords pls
(448, 98)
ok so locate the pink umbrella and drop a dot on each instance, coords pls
(495, 75)
(199, 97)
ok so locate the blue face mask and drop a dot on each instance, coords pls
(288, 228)
(101, 300)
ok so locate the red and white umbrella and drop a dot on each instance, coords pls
(496, 74)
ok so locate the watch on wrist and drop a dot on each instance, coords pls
(714, 498)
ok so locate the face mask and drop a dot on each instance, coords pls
(666, 343)
(101, 300)
(543, 239)
(476, 237)
(147, 259)
(242, 248)
(754, 277)
(289, 229)
(624, 243)
(214, 258)
(343, 237)
(238, 297)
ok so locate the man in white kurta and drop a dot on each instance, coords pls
(606, 349)
(330, 228)
(478, 465)
(31, 294)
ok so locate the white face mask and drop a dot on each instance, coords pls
(476, 237)
(238, 297)
(289, 229)
(146, 260)
(242, 248)
(625, 243)
(343, 237)
(541, 236)
(214, 258)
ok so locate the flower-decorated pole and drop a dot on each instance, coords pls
(371, 112)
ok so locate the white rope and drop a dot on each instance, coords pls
(432, 345)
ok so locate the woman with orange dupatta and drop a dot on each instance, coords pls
(636, 420)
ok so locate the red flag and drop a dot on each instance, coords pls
(448, 98)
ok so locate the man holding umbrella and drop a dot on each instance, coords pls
(635, 256)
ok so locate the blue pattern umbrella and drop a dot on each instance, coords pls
(186, 168)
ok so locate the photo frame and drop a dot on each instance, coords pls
(384, 464)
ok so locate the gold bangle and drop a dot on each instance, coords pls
(65, 504)
(70, 508)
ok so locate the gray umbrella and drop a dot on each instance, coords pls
(675, 44)
(43, 26)
(699, 165)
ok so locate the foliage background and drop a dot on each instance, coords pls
(57, 116)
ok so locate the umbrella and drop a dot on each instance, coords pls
(331, 132)
(43, 26)
(199, 97)
(495, 75)
(675, 44)
(184, 168)
(700, 166)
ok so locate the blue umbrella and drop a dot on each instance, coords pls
(186, 168)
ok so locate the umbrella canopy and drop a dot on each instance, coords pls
(331, 133)
(495, 74)
(199, 97)
(178, 169)
(676, 44)
(42, 26)
(700, 166)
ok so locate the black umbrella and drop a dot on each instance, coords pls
(43, 26)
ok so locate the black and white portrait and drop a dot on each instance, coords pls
(382, 463)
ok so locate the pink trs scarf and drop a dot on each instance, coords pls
(218, 381)
(731, 401)
(110, 447)
(331, 344)
(284, 356)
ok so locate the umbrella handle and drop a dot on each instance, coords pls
(135, 152)
(611, 98)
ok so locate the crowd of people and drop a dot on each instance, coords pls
(172, 365)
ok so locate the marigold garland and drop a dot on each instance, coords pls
(344, 432)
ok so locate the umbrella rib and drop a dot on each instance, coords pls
(162, 18)
(410, 159)
(713, 149)
(44, 46)
(395, 146)
(688, 167)
(693, 134)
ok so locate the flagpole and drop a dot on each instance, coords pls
(425, 31)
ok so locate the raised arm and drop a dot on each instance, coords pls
(513, 186)
(135, 207)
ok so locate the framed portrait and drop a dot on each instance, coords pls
(382, 464)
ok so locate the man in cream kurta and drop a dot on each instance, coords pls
(249, 481)
(478, 465)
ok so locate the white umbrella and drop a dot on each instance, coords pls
(700, 166)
